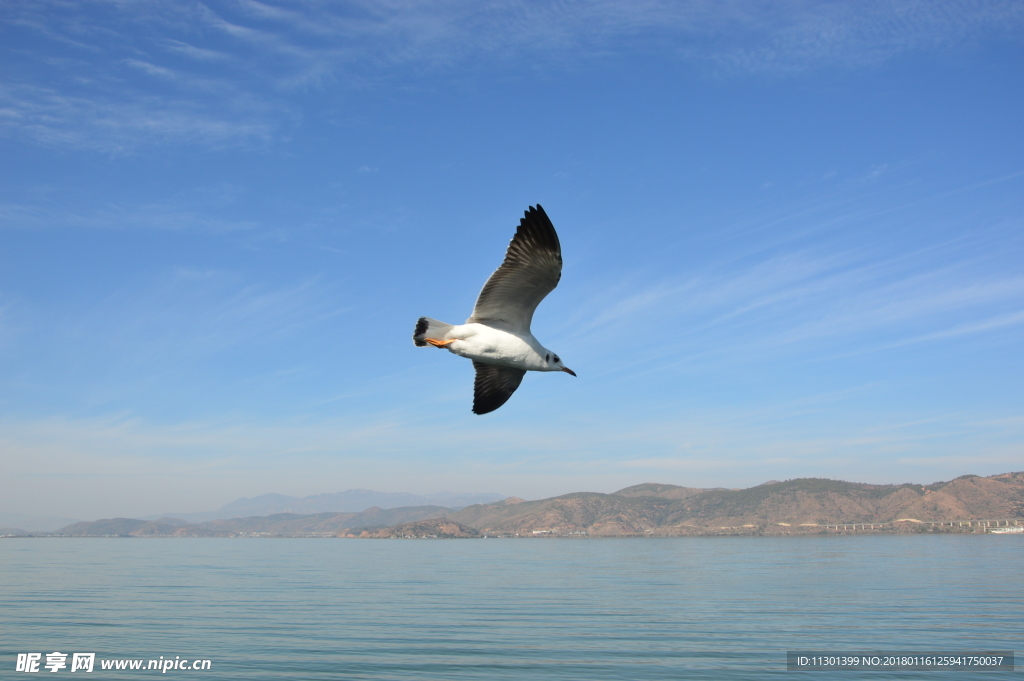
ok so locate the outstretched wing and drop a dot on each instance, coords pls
(494, 385)
(530, 271)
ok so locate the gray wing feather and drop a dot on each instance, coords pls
(530, 271)
(494, 385)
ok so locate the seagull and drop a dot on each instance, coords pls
(497, 335)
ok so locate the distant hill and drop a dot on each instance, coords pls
(437, 528)
(118, 527)
(276, 525)
(349, 501)
(651, 509)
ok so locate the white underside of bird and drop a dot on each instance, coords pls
(497, 336)
(486, 344)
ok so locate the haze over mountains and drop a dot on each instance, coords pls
(349, 501)
(794, 506)
(32, 522)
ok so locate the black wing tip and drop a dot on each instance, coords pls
(493, 386)
(536, 226)
(536, 214)
(481, 407)
(486, 403)
(421, 328)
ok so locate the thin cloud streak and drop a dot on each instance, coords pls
(990, 324)
(798, 300)
(184, 216)
(193, 316)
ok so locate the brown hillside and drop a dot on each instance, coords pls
(971, 496)
(667, 509)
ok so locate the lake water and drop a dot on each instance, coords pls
(538, 609)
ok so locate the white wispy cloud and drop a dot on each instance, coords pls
(834, 310)
(824, 277)
(200, 54)
(113, 124)
(231, 64)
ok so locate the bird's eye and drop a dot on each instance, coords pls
(556, 359)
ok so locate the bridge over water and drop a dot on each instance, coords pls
(984, 523)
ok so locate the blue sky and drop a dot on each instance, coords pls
(792, 231)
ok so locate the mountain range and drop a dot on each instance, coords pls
(349, 501)
(776, 507)
(652, 509)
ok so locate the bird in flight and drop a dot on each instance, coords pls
(497, 335)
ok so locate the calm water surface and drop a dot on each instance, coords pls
(638, 609)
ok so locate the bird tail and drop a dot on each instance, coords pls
(430, 328)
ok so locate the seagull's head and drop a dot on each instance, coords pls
(555, 364)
